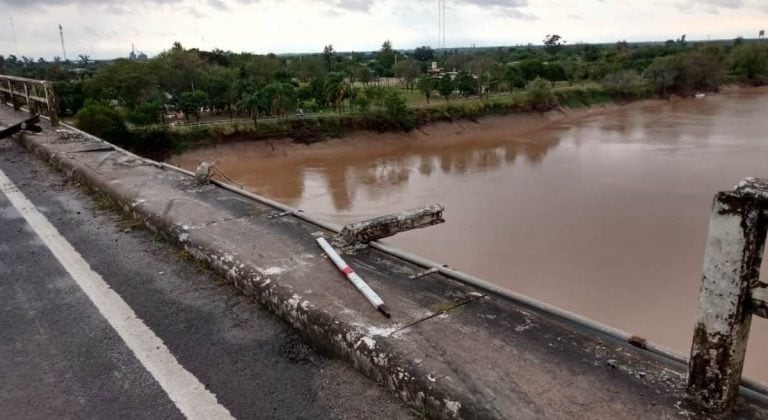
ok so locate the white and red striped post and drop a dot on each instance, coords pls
(361, 285)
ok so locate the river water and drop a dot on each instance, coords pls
(603, 213)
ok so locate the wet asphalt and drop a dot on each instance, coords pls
(59, 357)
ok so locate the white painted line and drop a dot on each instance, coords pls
(189, 395)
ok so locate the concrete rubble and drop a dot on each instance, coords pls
(449, 351)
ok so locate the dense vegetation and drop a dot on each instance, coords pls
(317, 95)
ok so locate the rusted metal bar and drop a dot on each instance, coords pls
(730, 294)
(28, 124)
(385, 226)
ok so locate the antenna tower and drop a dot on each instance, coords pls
(61, 35)
(444, 24)
(441, 24)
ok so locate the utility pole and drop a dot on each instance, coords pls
(61, 35)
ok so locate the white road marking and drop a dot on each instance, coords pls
(189, 395)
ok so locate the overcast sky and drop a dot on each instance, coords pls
(106, 28)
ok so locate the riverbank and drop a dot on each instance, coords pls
(486, 130)
(161, 142)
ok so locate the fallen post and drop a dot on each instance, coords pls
(385, 226)
(361, 285)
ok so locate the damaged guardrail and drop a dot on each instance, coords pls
(731, 293)
(366, 231)
(36, 95)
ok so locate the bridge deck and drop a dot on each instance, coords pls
(448, 348)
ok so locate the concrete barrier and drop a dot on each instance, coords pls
(730, 293)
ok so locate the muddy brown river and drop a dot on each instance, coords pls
(603, 212)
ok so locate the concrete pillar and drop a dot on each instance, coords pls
(734, 249)
(50, 98)
(30, 103)
(14, 102)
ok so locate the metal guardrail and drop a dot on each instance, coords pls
(731, 293)
(36, 95)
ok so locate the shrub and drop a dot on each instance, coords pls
(540, 96)
(624, 84)
(102, 121)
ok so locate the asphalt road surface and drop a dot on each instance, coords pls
(101, 319)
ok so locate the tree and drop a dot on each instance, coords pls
(191, 103)
(150, 112)
(220, 83)
(128, 82)
(426, 85)
(408, 70)
(571, 70)
(69, 96)
(662, 72)
(446, 87)
(279, 98)
(178, 70)
(540, 95)
(554, 72)
(553, 43)
(329, 57)
(466, 84)
(252, 102)
(698, 72)
(84, 59)
(514, 78)
(424, 53)
(385, 59)
(531, 69)
(749, 60)
(336, 90)
(363, 74)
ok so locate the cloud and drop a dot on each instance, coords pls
(113, 4)
(710, 6)
(514, 9)
(506, 7)
(498, 3)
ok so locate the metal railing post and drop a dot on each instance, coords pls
(737, 231)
